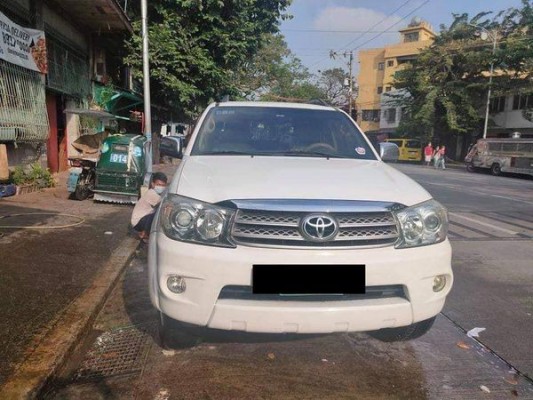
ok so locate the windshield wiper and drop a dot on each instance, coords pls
(309, 153)
(228, 152)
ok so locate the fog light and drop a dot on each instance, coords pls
(176, 284)
(439, 282)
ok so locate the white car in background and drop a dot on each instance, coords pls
(282, 218)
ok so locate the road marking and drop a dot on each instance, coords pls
(475, 192)
(510, 198)
(484, 224)
(443, 184)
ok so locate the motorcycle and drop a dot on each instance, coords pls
(82, 177)
(82, 174)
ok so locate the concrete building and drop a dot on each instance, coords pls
(376, 76)
(79, 57)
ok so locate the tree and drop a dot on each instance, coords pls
(447, 84)
(332, 83)
(198, 47)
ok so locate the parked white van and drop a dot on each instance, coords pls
(282, 218)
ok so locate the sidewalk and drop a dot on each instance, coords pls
(53, 279)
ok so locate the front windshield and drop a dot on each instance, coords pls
(279, 131)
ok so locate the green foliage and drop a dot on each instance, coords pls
(447, 84)
(198, 48)
(36, 174)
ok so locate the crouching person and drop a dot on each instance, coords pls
(143, 213)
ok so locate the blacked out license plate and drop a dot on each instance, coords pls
(309, 279)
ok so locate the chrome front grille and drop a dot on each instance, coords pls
(282, 229)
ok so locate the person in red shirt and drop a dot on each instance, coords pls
(428, 153)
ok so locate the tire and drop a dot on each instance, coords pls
(495, 169)
(82, 192)
(172, 334)
(470, 168)
(403, 333)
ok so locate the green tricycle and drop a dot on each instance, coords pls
(121, 169)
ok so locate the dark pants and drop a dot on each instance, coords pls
(145, 223)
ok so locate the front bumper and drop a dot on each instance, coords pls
(208, 269)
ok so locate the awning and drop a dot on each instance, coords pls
(122, 100)
(90, 113)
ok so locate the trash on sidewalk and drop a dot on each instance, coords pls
(8, 190)
(485, 389)
(271, 356)
(168, 353)
(324, 360)
(108, 233)
(462, 345)
(511, 380)
(474, 333)
(164, 394)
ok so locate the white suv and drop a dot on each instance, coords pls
(282, 218)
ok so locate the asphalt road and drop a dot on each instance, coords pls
(492, 235)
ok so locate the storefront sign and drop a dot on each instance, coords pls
(22, 46)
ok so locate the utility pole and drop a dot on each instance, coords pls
(333, 54)
(147, 104)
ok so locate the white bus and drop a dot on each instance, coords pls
(502, 155)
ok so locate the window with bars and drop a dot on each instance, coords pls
(523, 101)
(23, 115)
(390, 115)
(68, 71)
(411, 37)
(497, 104)
(371, 115)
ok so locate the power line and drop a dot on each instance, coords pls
(383, 20)
(396, 23)
(368, 30)
(333, 31)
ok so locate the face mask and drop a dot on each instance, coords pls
(159, 189)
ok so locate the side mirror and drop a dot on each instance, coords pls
(171, 146)
(389, 151)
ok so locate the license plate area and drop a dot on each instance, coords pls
(118, 158)
(309, 279)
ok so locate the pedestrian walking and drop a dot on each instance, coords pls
(436, 157)
(428, 153)
(144, 211)
(442, 157)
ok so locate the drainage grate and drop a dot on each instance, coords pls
(121, 351)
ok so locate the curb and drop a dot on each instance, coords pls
(52, 351)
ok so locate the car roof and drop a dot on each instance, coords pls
(275, 104)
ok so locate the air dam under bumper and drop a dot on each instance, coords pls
(208, 269)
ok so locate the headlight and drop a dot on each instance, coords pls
(423, 224)
(194, 221)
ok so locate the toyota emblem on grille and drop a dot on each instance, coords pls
(319, 227)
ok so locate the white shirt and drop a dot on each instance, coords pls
(145, 206)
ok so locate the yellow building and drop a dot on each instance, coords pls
(376, 75)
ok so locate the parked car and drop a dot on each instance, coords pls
(501, 155)
(282, 218)
(410, 149)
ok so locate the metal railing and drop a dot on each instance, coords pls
(23, 115)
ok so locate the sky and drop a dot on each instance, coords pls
(321, 26)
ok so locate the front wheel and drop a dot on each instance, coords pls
(495, 169)
(82, 192)
(403, 333)
(470, 167)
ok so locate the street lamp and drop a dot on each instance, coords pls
(146, 82)
(485, 34)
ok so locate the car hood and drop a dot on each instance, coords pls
(217, 178)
